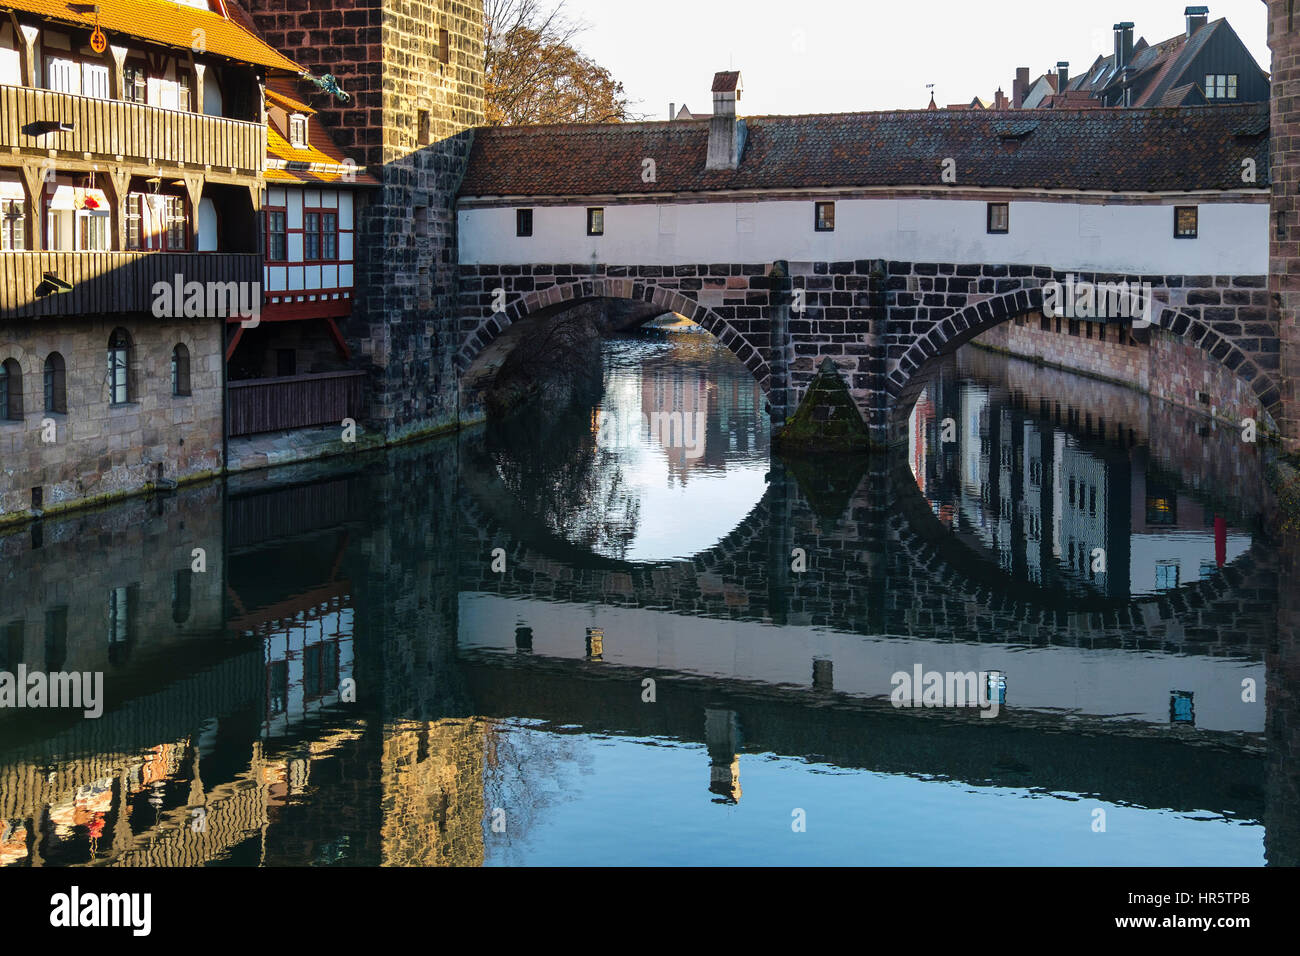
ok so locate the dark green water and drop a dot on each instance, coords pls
(624, 634)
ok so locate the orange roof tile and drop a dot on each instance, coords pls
(280, 98)
(163, 22)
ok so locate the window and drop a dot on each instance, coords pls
(92, 233)
(183, 91)
(824, 216)
(1220, 86)
(180, 370)
(134, 235)
(11, 391)
(329, 235)
(1185, 222)
(1166, 575)
(596, 221)
(134, 86)
(311, 237)
(298, 131)
(421, 220)
(444, 46)
(178, 227)
(119, 364)
(523, 222)
(94, 81)
(423, 131)
(12, 217)
(56, 389)
(277, 240)
(122, 603)
(64, 76)
(999, 217)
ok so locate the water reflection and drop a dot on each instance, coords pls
(352, 683)
(1060, 493)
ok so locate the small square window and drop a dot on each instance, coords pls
(824, 220)
(1185, 222)
(298, 131)
(596, 221)
(999, 217)
(524, 222)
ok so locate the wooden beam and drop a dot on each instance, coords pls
(337, 336)
(234, 342)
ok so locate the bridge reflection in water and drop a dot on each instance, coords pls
(350, 681)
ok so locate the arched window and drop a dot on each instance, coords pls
(119, 367)
(180, 370)
(11, 391)
(56, 384)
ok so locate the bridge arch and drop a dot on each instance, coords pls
(750, 349)
(963, 324)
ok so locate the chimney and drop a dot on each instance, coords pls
(1123, 43)
(726, 131)
(1197, 17)
(672, 110)
(1020, 87)
(1062, 76)
(999, 100)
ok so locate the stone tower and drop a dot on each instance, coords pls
(1284, 227)
(414, 71)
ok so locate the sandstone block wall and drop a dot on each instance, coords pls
(104, 449)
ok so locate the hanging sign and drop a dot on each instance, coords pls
(98, 42)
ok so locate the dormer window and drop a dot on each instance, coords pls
(298, 131)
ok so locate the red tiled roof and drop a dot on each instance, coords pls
(1149, 150)
(726, 82)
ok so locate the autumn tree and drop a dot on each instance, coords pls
(533, 73)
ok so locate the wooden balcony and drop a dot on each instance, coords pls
(108, 282)
(298, 401)
(145, 135)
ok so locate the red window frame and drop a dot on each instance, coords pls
(327, 239)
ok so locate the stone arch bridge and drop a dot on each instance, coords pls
(879, 321)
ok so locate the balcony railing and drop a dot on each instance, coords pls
(298, 401)
(141, 134)
(107, 282)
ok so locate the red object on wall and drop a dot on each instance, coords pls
(1220, 541)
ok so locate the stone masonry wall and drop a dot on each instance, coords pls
(415, 72)
(1165, 367)
(102, 449)
(1284, 232)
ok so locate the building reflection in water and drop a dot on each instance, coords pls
(1062, 498)
(351, 684)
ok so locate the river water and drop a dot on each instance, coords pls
(625, 633)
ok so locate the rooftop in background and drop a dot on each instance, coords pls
(164, 23)
(1155, 150)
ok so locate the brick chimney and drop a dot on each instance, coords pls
(726, 130)
(1197, 17)
(1020, 87)
(1062, 75)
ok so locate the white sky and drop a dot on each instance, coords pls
(828, 56)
